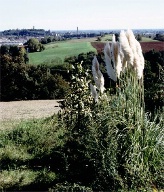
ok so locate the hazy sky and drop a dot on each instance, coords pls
(86, 14)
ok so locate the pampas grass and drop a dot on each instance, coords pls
(110, 69)
(128, 54)
(97, 75)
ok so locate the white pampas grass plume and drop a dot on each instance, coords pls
(94, 92)
(116, 58)
(125, 46)
(113, 38)
(131, 39)
(139, 60)
(139, 52)
(110, 70)
(97, 75)
(114, 53)
(123, 60)
(118, 66)
(101, 82)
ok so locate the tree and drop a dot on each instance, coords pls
(44, 40)
(34, 45)
(4, 49)
(139, 37)
(49, 40)
(159, 37)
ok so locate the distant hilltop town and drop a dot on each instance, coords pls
(20, 36)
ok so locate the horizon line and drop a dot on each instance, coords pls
(85, 29)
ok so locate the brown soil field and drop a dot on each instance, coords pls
(22, 110)
(146, 46)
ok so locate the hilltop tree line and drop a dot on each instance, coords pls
(25, 32)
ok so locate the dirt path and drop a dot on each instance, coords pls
(17, 110)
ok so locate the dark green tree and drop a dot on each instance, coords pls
(139, 37)
(34, 45)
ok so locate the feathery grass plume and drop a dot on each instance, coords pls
(123, 60)
(117, 58)
(138, 60)
(113, 38)
(97, 75)
(138, 65)
(94, 92)
(114, 51)
(141, 62)
(131, 39)
(118, 66)
(110, 70)
(128, 54)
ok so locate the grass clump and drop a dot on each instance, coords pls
(27, 154)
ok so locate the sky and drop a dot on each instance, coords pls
(84, 14)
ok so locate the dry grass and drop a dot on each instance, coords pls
(11, 113)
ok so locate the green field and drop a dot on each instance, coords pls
(146, 39)
(56, 52)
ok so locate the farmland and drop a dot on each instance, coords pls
(157, 46)
(56, 52)
(146, 46)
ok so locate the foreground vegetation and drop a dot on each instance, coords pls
(104, 141)
(89, 147)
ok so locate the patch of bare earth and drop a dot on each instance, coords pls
(23, 110)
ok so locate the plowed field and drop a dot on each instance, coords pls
(146, 46)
